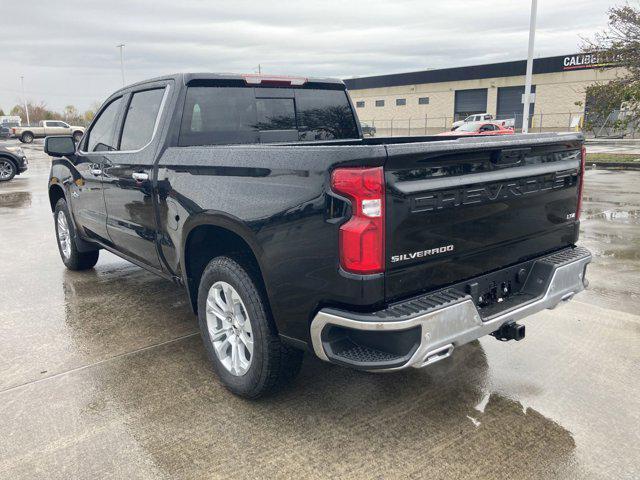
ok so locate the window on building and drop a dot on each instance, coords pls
(400, 102)
(379, 103)
(423, 101)
(360, 104)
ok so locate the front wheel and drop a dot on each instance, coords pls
(26, 137)
(66, 236)
(238, 333)
(7, 170)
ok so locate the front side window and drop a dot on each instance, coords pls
(140, 120)
(101, 137)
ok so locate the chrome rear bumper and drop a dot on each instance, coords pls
(454, 320)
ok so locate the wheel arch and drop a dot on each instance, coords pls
(56, 192)
(211, 235)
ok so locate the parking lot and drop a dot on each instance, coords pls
(103, 375)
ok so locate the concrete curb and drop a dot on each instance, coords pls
(614, 165)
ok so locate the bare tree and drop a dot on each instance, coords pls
(619, 44)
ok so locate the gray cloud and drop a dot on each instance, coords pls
(66, 50)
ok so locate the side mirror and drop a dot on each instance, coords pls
(61, 146)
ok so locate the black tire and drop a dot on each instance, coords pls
(26, 137)
(8, 170)
(75, 260)
(273, 364)
(77, 136)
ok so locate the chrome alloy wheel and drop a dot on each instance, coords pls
(5, 169)
(229, 328)
(64, 236)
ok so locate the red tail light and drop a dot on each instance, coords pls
(583, 160)
(362, 237)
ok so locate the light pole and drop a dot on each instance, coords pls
(24, 100)
(527, 83)
(121, 47)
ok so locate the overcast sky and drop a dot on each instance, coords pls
(67, 52)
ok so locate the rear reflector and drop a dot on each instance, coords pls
(362, 236)
(583, 160)
(273, 80)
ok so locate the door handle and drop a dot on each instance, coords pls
(96, 171)
(140, 176)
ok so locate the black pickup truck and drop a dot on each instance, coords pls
(292, 232)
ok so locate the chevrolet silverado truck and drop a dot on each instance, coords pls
(47, 128)
(291, 232)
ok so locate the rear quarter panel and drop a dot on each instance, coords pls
(278, 199)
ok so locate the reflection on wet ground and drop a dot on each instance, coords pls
(103, 375)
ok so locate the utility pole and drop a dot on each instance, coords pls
(121, 47)
(24, 100)
(527, 83)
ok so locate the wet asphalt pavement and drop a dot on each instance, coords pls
(103, 375)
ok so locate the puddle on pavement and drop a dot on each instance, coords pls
(15, 200)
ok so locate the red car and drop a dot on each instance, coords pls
(479, 129)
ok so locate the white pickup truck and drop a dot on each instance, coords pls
(484, 117)
(46, 128)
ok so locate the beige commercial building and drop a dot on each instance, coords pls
(427, 102)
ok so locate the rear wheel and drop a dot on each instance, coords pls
(26, 137)
(66, 236)
(7, 170)
(241, 343)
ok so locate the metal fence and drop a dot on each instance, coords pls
(538, 123)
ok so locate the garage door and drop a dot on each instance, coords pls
(510, 103)
(469, 102)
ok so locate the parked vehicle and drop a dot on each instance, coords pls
(479, 128)
(5, 130)
(478, 117)
(46, 128)
(484, 117)
(368, 130)
(291, 232)
(13, 162)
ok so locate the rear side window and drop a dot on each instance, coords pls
(140, 120)
(102, 134)
(233, 115)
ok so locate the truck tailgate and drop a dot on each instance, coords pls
(457, 209)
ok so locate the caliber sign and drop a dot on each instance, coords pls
(584, 61)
